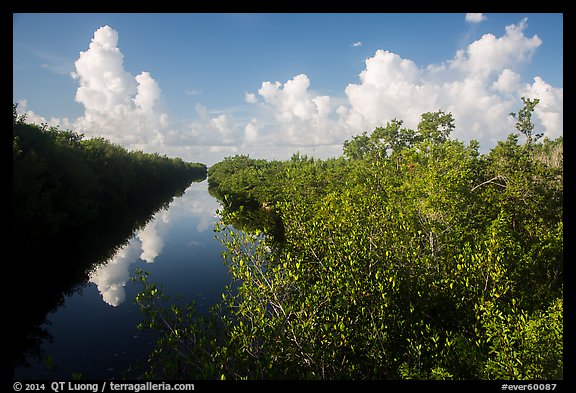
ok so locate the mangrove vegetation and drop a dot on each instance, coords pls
(411, 256)
(75, 202)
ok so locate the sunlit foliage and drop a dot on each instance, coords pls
(412, 257)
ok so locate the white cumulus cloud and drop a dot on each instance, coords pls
(148, 92)
(508, 82)
(250, 98)
(251, 132)
(491, 54)
(117, 105)
(301, 117)
(480, 86)
(549, 110)
(206, 130)
(472, 17)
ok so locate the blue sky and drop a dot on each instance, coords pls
(205, 94)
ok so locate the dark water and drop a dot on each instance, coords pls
(94, 332)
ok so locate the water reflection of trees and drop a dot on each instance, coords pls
(49, 270)
(251, 217)
(148, 243)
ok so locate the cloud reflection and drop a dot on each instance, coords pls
(152, 237)
(111, 278)
(196, 205)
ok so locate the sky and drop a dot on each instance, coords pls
(206, 86)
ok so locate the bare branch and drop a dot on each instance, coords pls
(499, 177)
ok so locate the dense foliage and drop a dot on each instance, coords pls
(75, 201)
(62, 181)
(413, 256)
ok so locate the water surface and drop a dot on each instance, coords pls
(94, 332)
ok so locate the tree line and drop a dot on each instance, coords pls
(75, 201)
(411, 256)
(62, 181)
